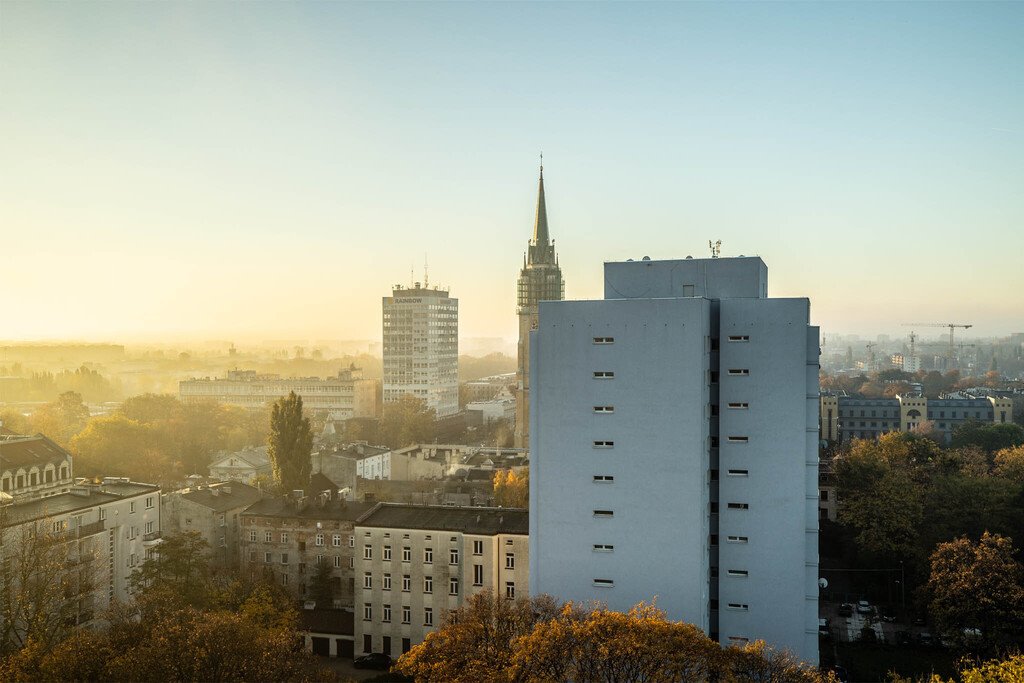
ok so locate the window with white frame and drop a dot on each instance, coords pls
(510, 560)
(367, 552)
(386, 582)
(406, 614)
(336, 540)
(478, 547)
(367, 580)
(428, 555)
(478, 575)
(510, 590)
(406, 583)
(453, 586)
(428, 616)
(387, 552)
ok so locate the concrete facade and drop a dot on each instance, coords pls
(342, 397)
(214, 512)
(285, 539)
(674, 450)
(421, 347)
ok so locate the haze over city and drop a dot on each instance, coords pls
(266, 171)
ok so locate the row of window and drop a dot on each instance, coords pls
(268, 558)
(268, 537)
(428, 612)
(733, 338)
(428, 553)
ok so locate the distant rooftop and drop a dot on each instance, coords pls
(468, 520)
(222, 496)
(333, 509)
(63, 503)
(25, 451)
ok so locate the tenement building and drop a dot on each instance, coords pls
(344, 396)
(214, 512)
(539, 280)
(287, 539)
(416, 562)
(674, 450)
(421, 347)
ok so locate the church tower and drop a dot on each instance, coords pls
(539, 280)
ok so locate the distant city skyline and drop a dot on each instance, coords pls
(186, 171)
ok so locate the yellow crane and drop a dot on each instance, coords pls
(952, 327)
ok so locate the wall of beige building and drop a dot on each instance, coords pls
(396, 606)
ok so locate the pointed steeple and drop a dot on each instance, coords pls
(540, 225)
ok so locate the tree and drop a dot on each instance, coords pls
(405, 422)
(475, 641)
(179, 572)
(63, 418)
(512, 490)
(991, 437)
(114, 445)
(291, 444)
(978, 587)
(537, 640)
(45, 572)
(1010, 464)
(321, 587)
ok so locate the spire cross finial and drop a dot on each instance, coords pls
(542, 164)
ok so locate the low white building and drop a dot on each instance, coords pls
(244, 465)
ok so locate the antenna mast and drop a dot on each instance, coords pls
(716, 248)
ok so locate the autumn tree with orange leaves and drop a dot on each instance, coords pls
(536, 640)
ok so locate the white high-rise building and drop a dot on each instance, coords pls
(674, 450)
(421, 347)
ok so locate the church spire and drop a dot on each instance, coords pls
(540, 225)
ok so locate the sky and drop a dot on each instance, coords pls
(270, 170)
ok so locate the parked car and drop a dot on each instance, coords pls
(375, 660)
(888, 616)
(846, 610)
(926, 639)
(864, 607)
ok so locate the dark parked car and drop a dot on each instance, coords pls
(846, 610)
(377, 660)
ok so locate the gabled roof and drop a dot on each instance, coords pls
(254, 457)
(31, 450)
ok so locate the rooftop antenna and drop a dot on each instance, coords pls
(426, 273)
(412, 276)
(716, 248)
(542, 164)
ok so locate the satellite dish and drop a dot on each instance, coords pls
(822, 583)
(646, 258)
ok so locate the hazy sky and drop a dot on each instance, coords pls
(265, 170)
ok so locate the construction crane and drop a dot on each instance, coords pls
(952, 327)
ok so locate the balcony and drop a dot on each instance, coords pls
(151, 539)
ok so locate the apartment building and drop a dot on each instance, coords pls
(421, 347)
(214, 511)
(344, 396)
(674, 450)
(288, 538)
(416, 562)
(96, 533)
(847, 417)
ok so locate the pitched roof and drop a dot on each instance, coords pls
(223, 496)
(283, 507)
(257, 457)
(469, 520)
(28, 451)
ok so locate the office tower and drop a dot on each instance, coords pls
(421, 347)
(674, 450)
(539, 280)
